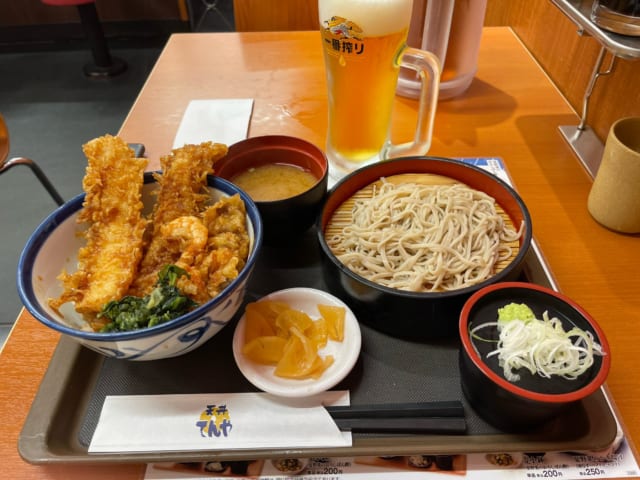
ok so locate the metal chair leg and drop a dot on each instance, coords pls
(38, 173)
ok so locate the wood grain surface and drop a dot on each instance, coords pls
(569, 57)
(267, 16)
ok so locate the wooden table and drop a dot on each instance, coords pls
(511, 110)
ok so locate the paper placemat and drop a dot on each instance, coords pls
(506, 466)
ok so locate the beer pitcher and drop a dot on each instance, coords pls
(454, 37)
(364, 44)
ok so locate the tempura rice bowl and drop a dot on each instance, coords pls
(408, 314)
(53, 247)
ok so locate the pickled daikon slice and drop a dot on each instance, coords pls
(276, 334)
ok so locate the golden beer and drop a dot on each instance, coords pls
(364, 44)
(358, 126)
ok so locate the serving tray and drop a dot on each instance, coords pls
(66, 408)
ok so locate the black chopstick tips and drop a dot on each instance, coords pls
(442, 418)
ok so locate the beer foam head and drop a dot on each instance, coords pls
(374, 17)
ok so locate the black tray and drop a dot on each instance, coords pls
(65, 412)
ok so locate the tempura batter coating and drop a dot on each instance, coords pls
(228, 244)
(183, 181)
(112, 209)
(213, 263)
(182, 193)
(124, 252)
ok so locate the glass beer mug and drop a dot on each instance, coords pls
(364, 44)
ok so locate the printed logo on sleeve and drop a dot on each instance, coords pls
(215, 421)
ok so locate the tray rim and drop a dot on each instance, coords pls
(54, 400)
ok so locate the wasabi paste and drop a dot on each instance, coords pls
(515, 311)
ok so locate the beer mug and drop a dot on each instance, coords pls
(364, 43)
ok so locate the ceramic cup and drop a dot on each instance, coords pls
(614, 199)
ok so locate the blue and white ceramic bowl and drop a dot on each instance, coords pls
(53, 248)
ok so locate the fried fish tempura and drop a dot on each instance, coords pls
(113, 210)
(183, 181)
(182, 193)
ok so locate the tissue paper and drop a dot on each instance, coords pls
(221, 120)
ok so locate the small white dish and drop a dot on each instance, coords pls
(345, 353)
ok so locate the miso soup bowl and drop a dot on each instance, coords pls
(408, 314)
(54, 246)
(285, 220)
(533, 400)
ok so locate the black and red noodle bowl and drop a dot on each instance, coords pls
(406, 314)
(533, 400)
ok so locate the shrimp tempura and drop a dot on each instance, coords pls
(182, 193)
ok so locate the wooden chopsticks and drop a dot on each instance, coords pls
(446, 417)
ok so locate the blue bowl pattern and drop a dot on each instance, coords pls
(53, 248)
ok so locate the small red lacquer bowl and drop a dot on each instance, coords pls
(284, 220)
(533, 400)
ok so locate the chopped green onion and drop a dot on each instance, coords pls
(542, 347)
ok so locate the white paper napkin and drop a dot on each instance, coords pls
(144, 423)
(220, 120)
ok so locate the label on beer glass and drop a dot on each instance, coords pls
(342, 38)
(362, 50)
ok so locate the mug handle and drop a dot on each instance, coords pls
(428, 68)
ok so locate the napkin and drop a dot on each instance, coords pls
(222, 121)
(146, 423)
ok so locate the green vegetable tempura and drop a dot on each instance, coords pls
(515, 311)
(164, 303)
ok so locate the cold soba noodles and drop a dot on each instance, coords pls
(362, 40)
(422, 237)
